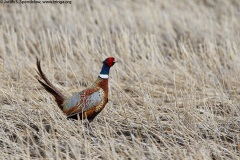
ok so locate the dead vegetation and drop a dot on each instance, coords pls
(175, 93)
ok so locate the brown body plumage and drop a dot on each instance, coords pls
(87, 103)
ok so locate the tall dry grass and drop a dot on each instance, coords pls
(175, 93)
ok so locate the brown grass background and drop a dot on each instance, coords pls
(174, 94)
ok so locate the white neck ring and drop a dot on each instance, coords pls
(104, 76)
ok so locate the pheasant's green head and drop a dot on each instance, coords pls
(107, 63)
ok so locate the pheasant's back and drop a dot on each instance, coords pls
(89, 102)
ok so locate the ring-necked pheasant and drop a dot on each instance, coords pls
(87, 103)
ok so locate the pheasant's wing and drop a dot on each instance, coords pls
(82, 101)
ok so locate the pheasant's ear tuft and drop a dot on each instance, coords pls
(109, 61)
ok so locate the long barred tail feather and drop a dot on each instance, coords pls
(59, 97)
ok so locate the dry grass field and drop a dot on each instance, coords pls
(174, 94)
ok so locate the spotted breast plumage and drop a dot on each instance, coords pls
(86, 104)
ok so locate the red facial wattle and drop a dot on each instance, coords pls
(110, 61)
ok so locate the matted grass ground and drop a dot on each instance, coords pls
(174, 94)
